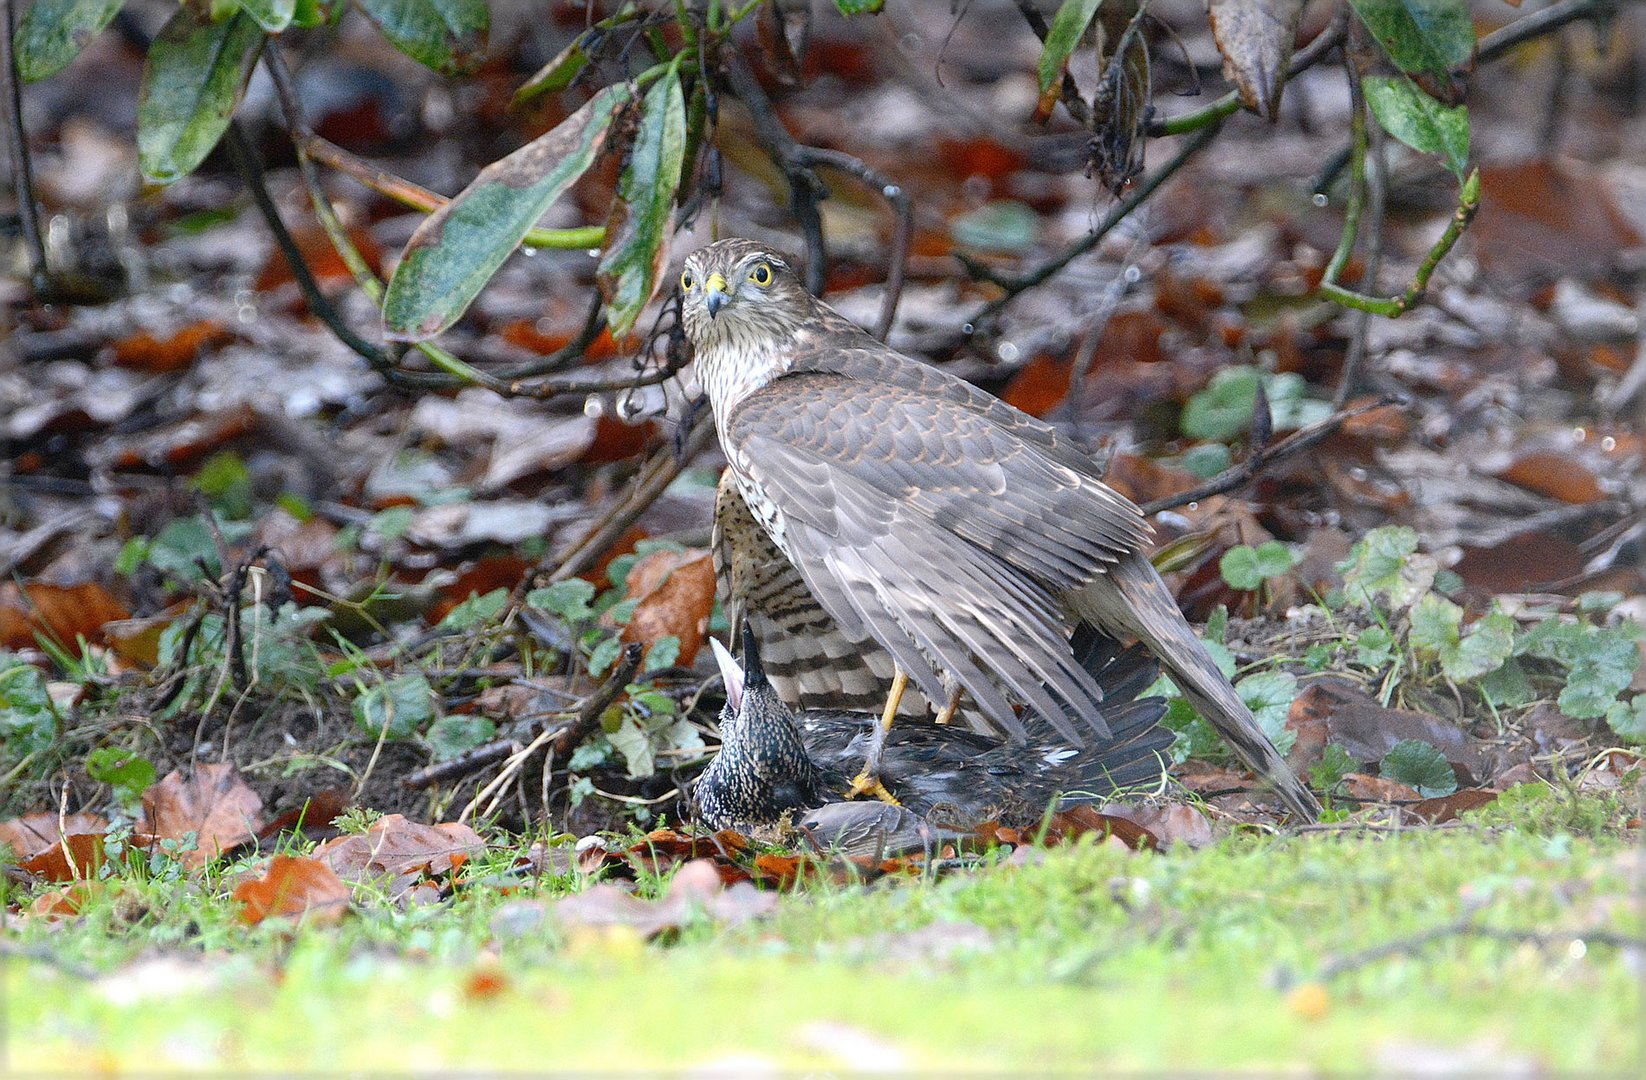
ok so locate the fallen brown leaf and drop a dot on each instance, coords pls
(400, 854)
(675, 590)
(1447, 807)
(29, 836)
(61, 613)
(76, 857)
(294, 887)
(215, 804)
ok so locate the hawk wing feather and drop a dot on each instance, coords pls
(876, 493)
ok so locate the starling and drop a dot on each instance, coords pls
(773, 762)
(960, 535)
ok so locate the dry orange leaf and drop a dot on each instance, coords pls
(1556, 475)
(144, 352)
(65, 902)
(676, 594)
(29, 836)
(294, 887)
(76, 857)
(214, 804)
(61, 613)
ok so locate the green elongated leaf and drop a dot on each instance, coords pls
(554, 76)
(1433, 37)
(194, 77)
(459, 247)
(638, 234)
(53, 32)
(1416, 764)
(858, 7)
(1418, 120)
(1068, 25)
(272, 15)
(446, 35)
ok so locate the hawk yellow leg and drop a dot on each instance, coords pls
(868, 782)
(947, 715)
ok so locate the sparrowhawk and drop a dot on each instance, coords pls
(961, 535)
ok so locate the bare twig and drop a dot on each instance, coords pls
(1468, 927)
(1239, 475)
(656, 475)
(902, 210)
(589, 713)
(1538, 23)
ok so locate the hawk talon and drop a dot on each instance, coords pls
(865, 783)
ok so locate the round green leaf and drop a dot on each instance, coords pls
(52, 32)
(1416, 764)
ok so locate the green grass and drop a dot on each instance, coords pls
(1089, 957)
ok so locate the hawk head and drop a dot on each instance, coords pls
(737, 291)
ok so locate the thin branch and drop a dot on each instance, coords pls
(1467, 927)
(1118, 213)
(1550, 19)
(805, 189)
(1226, 106)
(588, 714)
(1239, 475)
(417, 197)
(655, 476)
(902, 232)
(1394, 306)
(22, 178)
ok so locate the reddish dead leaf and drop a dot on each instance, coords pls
(1170, 824)
(485, 983)
(1387, 425)
(293, 887)
(1447, 807)
(144, 352)
(399, 853)
(1542, 219)
(780, 871)
(1040, 385)
(1364, 788)
(1520, 562)
(215, 804)
(1144, 479)
(315, 815)
(183, 443)
(66, 902)
(1367, 730)
(321, 256)
(676, 594)
(983, 157)
(75, 857)
(614, 440)
(1308, 719)
(1074, 822)
(1559, 476)
(59, 613)
(480, 578)
(137, 641)
(31, 835)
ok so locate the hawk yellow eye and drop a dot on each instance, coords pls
(760, 274)
(687, 281)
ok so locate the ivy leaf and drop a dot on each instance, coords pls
(568, 599)
(1384, 563)
(1245, 567)
(1420, 121)
(642, 218)
(453, 736)
(1062, 37)
(195, 74)
(1223, 411)
(1434, 37)
(1489, 642)
(1269, 694)
(401, 707)
(478, 610)
(126, 772)
(1627, 719)
(448, 36)
(27, 720)
(1416, 764)
(1334, 764)
(53, 32)
(458, 248)
(1375, 648)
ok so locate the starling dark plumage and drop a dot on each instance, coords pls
(772, 762)
(961, 536)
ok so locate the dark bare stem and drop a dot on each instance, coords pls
(806, 191)
(588, 714)
(902, 231)
(1538, 23)
(1238, 476)
(656, 475)
(22, 178)
(251, 171)
(1468, 927)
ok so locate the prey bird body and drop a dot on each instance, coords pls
(952, 532)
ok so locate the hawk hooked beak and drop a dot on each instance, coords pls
(715, 295)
